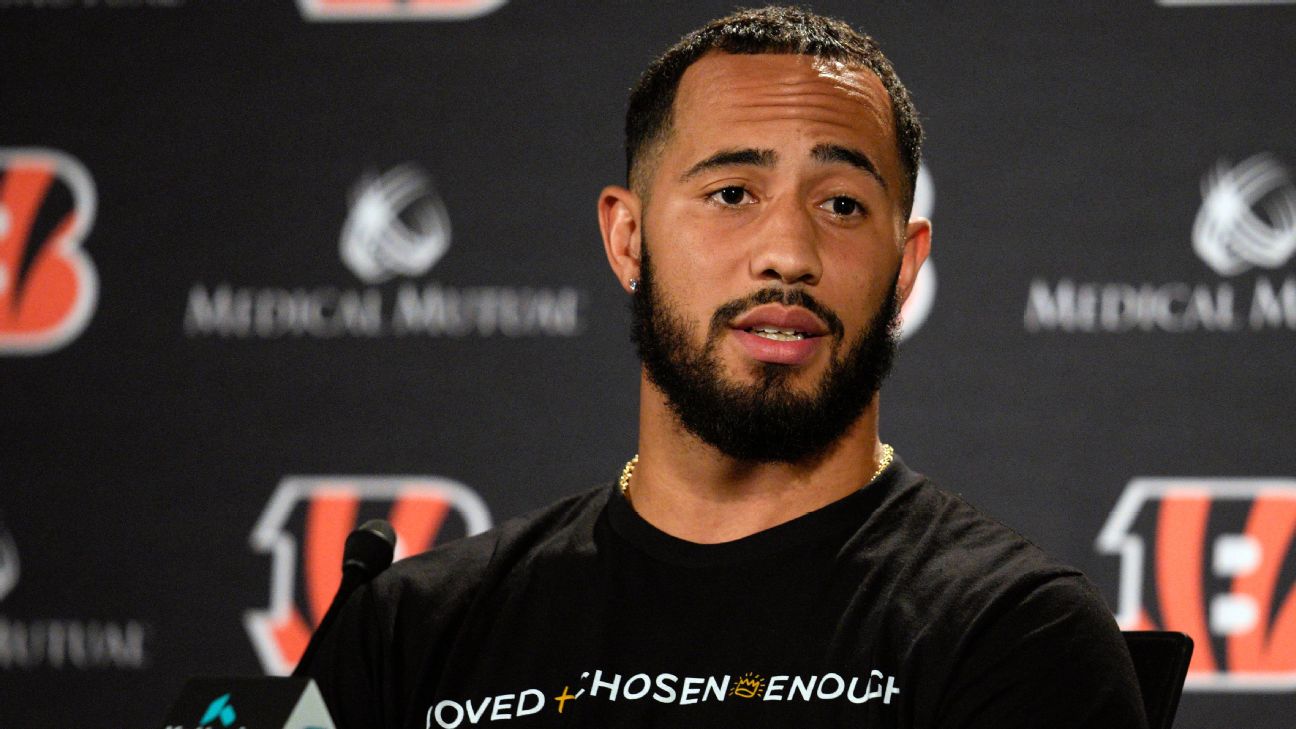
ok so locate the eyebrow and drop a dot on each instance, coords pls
(826, 153)
(852, 157)
(731, 157)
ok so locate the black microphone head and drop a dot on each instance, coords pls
(382, 528)
(369, 548)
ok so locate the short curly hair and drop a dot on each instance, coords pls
(775, 29)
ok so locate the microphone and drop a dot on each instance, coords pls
(287, 703)
(367, 552)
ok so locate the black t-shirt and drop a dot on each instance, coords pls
(897, 606)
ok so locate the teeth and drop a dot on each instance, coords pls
(778, 335)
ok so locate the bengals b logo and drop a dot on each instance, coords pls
(304, 528)
(1212, 558)
(48, 286)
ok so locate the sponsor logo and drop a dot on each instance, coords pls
(923, 296)
(220, 710)
(48, 286)
(1247, 219)
(396, 9)
(304, 528)
(1210, 557)
(397, 228)
(63, 643)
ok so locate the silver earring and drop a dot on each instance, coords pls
(634, 285)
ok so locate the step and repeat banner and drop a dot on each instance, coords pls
(270, 269)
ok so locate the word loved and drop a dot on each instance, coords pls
(450, 714)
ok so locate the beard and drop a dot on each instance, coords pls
(768, 420)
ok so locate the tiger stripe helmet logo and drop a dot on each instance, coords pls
(304, 527)
(48, 285)
(396, 9)
(1218, 568)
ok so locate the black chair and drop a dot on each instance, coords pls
(1161, 662)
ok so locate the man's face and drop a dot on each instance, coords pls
(764, 420)
(773, 219)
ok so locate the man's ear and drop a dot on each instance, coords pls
(917, 246)
(621, 223)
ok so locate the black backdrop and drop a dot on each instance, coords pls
(198, 393)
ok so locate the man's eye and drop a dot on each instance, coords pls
(842, 205)
(732, 195)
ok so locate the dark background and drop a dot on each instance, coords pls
(1067, 141)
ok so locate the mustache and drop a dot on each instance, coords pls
(788, 297)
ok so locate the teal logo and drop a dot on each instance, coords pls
(219, 709)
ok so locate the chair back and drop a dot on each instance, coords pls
(1161, 662)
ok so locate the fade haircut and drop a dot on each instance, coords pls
(775, 30)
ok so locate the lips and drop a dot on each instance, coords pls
(776, 318)
(779, 334)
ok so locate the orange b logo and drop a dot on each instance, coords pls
(48, 286)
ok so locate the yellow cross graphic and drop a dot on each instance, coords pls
(562, 699)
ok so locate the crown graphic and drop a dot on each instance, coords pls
(748, 686)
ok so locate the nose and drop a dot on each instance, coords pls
(786, 247)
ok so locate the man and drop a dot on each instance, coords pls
(765, 560)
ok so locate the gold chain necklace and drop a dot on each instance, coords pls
(888, 454)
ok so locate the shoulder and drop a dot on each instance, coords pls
(969, 577)
(1000, 614)
(454, 572)
(393, 632)
(953, 554)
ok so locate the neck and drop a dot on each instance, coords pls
(690, 490)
